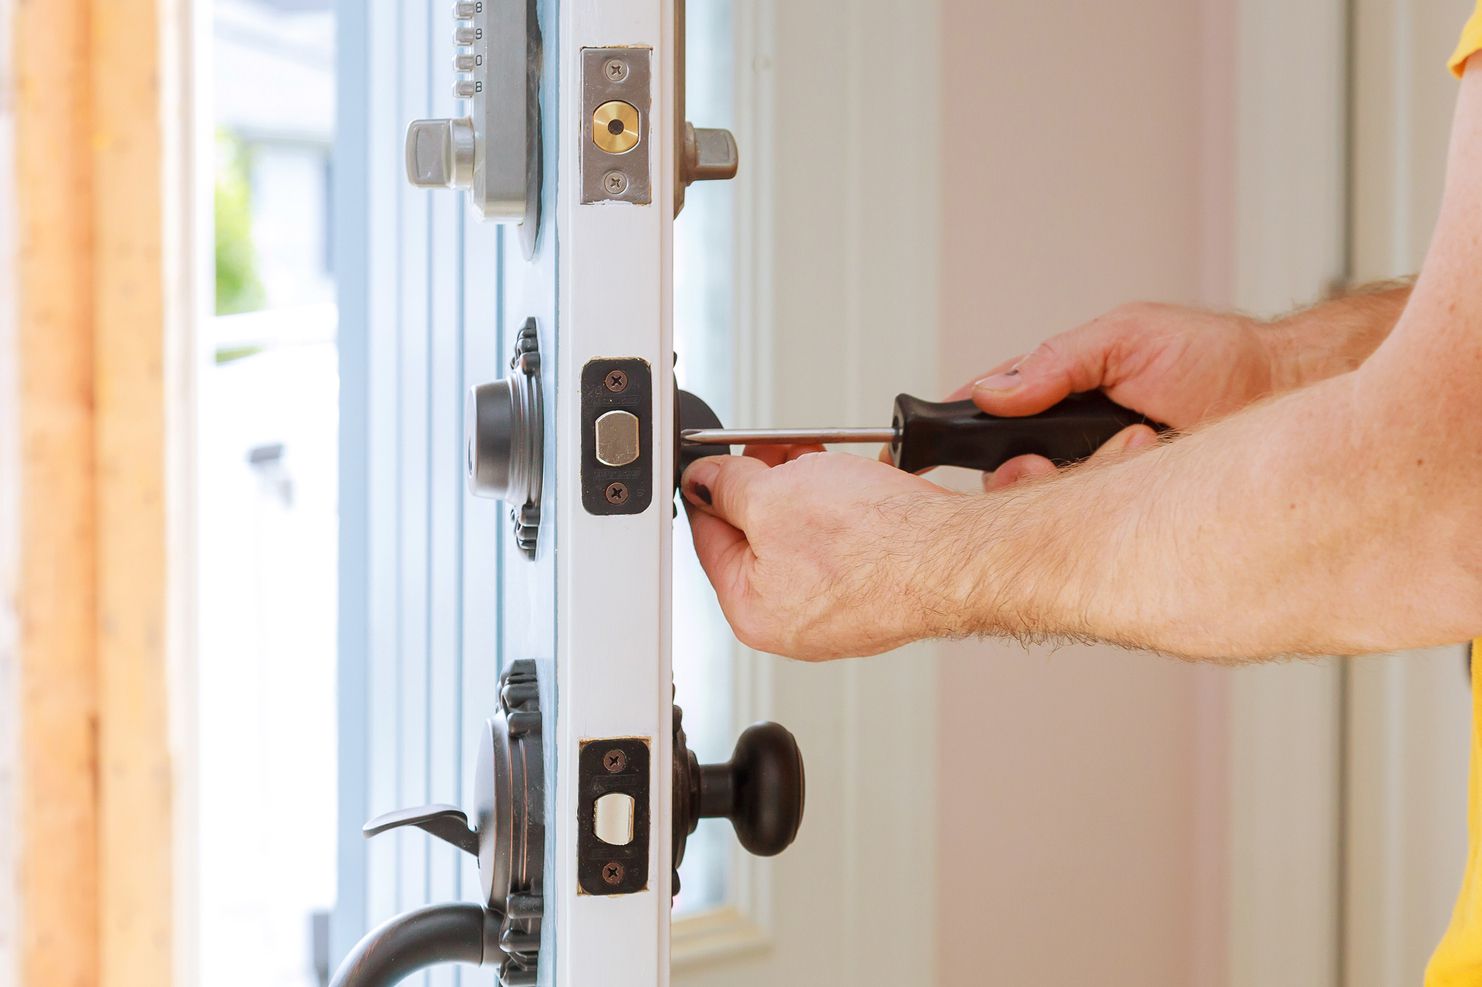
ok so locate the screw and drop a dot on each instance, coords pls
(616, 493)
(612, 873)
(616, 382)
(615, 182)
(616, 69)
(614, 761)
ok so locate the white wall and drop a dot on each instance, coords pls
(1082, 790)
(9, 526)
(1409, 715)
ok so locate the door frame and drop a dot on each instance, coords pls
(1289, 194)
(1408, 716)
(98, 589)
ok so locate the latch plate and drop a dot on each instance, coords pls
(617, 766)
(616, 484)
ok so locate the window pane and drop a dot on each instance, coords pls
(268, 439)
(705, 337)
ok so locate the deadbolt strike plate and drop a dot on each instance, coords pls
(616, 466)
(615, 162)
(613, 768)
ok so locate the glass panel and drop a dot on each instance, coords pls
(267, 425)
(704, 337)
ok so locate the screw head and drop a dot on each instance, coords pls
(615, 182)
(616, 69)
(612, 873)
(616, 382)
(614, 761)
(616, 493)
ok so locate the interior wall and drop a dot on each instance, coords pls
(1086, 154)
(1409, 716)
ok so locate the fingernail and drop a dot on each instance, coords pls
(703, 492)
(1000, 382)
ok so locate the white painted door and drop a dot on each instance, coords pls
(437, 595)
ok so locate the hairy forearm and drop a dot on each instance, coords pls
(1312, 524)
(1332, 337)
(1342, 517)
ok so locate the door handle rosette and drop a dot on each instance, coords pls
(504, 425)
(507, 837)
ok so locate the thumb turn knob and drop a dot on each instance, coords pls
(441, 153)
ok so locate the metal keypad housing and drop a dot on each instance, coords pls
(492, 153)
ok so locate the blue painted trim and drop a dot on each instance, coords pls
(351, 237)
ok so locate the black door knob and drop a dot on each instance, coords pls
(761, 789)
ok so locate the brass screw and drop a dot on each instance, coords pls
(614, 761)
(616, 382)
(616, 493)
(612, 873)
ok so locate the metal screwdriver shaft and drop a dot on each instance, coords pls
(785, 436)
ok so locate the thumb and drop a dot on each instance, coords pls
(1066, 364)
(720, 486)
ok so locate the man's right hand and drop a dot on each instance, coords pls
(1180, 366)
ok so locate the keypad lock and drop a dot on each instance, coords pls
(492, 153)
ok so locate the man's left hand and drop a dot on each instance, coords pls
(817, 555)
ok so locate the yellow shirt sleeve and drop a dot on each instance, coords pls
(1471, 42)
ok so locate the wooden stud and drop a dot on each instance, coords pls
(58, 819)
(95, 801)
(136, 872)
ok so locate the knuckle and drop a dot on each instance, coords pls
(1048, 352)
(1134, 313)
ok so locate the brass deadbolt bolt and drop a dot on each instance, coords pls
(615, 127)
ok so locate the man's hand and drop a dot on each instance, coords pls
(1340, 517)
(1182, 366)
(823, 555)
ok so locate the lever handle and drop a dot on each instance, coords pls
(761, 790)
(956, 433)
(446, 822)
(457, 933)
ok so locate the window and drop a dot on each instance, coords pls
(705, 342)
(267, 427)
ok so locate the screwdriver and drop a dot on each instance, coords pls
(924, 434)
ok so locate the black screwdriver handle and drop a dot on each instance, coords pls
(956, 433)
